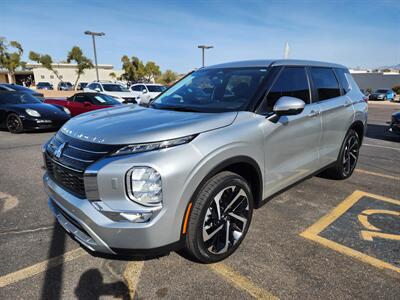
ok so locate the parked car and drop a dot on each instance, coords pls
(65, 86)
(81, 86)
(382, 94)
(44, 86)
(189, 170)
(395, 123)
(84, 102)
(19, 88)
(114, 90)
(21, 111)
(145, 92)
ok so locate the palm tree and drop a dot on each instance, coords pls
(11, 60)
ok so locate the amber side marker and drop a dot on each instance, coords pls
(186, 218)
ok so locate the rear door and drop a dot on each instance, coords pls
(292, 143)
(337, 111)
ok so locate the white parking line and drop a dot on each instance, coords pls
(380, 146)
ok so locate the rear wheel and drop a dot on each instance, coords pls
(348, 157)
(14, 124)
(220, 218)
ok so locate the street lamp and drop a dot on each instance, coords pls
(93, 34)
(203, 47)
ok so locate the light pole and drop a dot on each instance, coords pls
(203, 48)
(93, 34)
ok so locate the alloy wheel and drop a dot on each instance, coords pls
(13, 124)
(226, 219)
(350, 155)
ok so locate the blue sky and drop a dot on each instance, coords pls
(354, 33)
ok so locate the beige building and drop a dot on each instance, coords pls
(67, 72)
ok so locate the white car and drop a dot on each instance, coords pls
(146, 91)
(114, 90)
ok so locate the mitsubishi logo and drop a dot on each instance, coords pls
(60, 150)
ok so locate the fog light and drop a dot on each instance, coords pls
(144, 186)
(137, 217)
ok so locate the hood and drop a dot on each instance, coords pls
(132, 124)
(46, 111)
(397, 115)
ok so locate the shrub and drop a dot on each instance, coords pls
(396, 89)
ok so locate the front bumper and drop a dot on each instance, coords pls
(98, 233)
(37, 123)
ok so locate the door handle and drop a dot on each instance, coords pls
(313, 113)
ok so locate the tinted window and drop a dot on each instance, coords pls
(341, 74)
(80, 98)
(291, 82)
(114, 88)
(325, 83)
(101, 99)
(91, 86)
(136, 88)
(156, 88)
(17, 98)
(382, 91)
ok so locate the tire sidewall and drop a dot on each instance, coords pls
(228, 181)
(19, 130)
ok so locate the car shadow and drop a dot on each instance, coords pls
(381, 132)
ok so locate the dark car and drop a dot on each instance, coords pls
(382, 94)
(19, 88)
(81, 86)
(21, 111)
(84, 102)
(44, 86)
(395, 123)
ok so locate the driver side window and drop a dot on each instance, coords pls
(292, 82)
(80, 98)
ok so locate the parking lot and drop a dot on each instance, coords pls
(320, 239)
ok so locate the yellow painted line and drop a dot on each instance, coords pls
(241, 282)
(40, 267)
(131, 275)
(312, 232)
(377, 174)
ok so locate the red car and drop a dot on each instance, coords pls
(84, 102)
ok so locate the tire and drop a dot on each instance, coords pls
(212, 236)
(14, 124)
(348, 157)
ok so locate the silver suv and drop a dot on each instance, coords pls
(188, 171)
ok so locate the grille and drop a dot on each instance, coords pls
(68, 169)
(70, 180)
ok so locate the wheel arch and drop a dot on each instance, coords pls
(359, 128)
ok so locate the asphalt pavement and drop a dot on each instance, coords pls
(322, 239)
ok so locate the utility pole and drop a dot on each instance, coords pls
(203, 48)
(93, 34)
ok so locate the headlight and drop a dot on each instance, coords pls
(137, 148)
(144, 186)
(32, 112)
(66, 110)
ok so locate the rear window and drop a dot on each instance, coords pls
(325, 83)
(344, 84)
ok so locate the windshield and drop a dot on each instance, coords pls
(101, 99)
(114, 88)
(213, 90)
(17, 98)
(156, 88)
(381, 91)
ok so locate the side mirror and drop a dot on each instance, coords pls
(286, 106)
(97, 90)
(86, 103)
(144, 91)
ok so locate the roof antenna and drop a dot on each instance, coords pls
(286, 51)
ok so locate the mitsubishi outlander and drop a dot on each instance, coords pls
(188, 171)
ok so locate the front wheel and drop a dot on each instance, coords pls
(14, 124)
(348, 157)
(220, 217)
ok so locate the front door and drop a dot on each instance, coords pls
(291, 144)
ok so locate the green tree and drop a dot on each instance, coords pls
(133, 67)
(152, 71)
(167, 77)
(82, 62)
(45, 60)
(10, 57)
(113, 75)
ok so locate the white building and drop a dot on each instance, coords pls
(67, 72)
